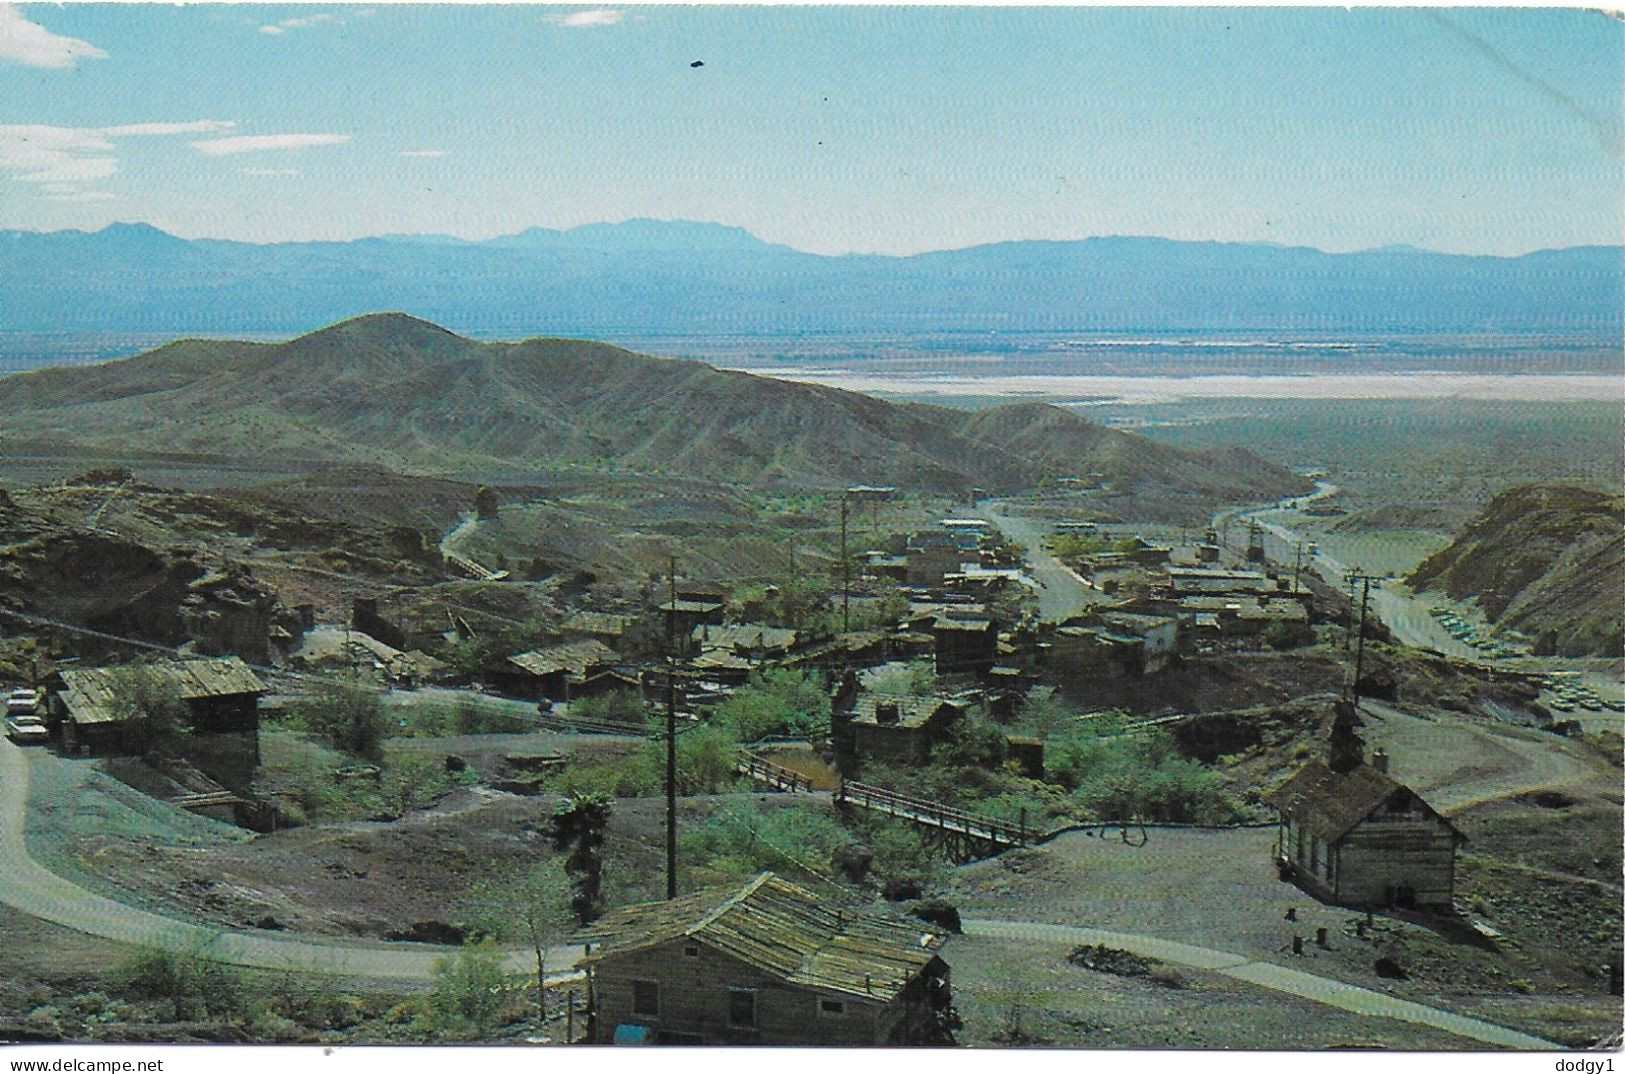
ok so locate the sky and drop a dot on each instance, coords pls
(832, 129)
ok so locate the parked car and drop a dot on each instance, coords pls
(23, 701)
(24, 730)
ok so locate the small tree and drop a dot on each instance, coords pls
(150, 705)
(578, 830)
(350, 717)
(706, 757)
(532, 904)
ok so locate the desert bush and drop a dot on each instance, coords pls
(1143, 776)
(617, 706)
(746, 840)
(469, 994)
(190, 985)
(348, 716)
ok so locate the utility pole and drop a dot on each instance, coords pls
(1297, 566)
(1364, 580)
(671, 735)
(846, 575)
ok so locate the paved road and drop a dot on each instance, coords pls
(1277, 978)
(30, 887)
(1061, 593)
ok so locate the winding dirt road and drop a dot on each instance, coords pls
(28, 886)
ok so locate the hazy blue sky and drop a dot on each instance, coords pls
(829, 129)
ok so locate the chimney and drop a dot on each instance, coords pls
(886, 712)
(1379, 759)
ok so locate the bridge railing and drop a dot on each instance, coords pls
(869, 796)
(763, 770)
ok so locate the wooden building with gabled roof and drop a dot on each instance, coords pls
(552, 672)
(221, 696)
(766, 963)
(1352, 834)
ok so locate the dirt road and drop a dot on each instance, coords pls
(1268, 975)
(1456, 765)
(30, 887)
(1061, 593)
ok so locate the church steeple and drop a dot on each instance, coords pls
(1345, 751)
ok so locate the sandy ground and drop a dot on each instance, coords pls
(1218, 889)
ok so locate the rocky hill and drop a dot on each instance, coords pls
(394, 391)
(1547, 560)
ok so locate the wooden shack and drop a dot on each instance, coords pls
(966, 643)
(553, 672)
(221, 696)
(768, 963)
(1351, 834)
(892, 727)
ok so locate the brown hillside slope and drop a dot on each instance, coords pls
(1548, 560)
(391, 390)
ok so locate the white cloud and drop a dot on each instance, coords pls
(260, 143)
(423, 152)
(69, 192)
(276, 28)
(600, 16)
(270, 172)
(60, 158)
(200, 126)
(32, 45)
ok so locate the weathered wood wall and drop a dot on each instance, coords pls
(694, 999)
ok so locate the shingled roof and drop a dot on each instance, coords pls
(88, 693)
(1330, 804)
(779, 928)
(575, 657)
(912, 710)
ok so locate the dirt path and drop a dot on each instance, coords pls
(1345, 997)
(30, 887)
(1457, 766)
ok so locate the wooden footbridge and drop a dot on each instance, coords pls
(964, 835)
(766, 772)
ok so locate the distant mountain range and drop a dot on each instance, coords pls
(395, 391)
(653, 277)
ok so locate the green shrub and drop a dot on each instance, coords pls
(617, 706)
(192, 986)
(469, 993)
(1139, 777)
(348, 716)
(779, 701)
(745, 840)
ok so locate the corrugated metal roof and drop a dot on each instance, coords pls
(782, 929)
(89, 693)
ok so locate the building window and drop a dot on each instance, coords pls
(831, 1008)
(645, 998)
(691, 950)
(742, 1008)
